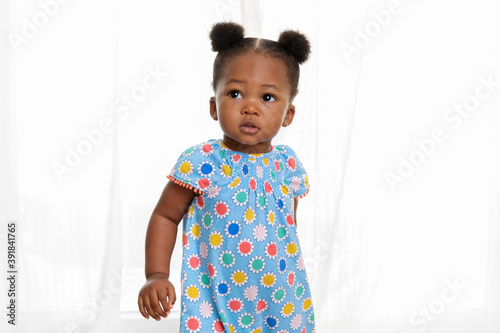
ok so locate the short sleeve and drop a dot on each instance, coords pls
(295, 176)
(196, 168)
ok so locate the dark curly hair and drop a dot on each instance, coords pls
(292, 48)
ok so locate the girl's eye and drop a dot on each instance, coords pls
(234, 94)
(268, 98)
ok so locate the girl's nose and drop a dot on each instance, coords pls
(250, 108)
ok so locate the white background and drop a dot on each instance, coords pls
(378, 255)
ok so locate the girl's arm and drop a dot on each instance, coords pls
(162, 228)
(160, 240)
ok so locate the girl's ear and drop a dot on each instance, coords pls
(213, 108)
(290, 113)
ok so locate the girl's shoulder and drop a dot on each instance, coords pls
(285, 150)
(290, 157)
(294, 176)
(211, 163)
(197, 166)
(210, 149)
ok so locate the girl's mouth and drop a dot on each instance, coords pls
(249, 127)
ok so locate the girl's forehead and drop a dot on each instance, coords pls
(255, 66)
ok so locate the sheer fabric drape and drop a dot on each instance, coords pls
(98, 98)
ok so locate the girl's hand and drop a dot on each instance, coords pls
(157, 289)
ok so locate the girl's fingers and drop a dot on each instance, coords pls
(155, 304)
(149, 308)
(162, 297)
(171, 296)
(142, 309)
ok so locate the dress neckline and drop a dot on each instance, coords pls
(223, 146)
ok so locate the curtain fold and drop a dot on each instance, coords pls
(493, 287)
(111, 278)
(98, 98)
(8, 167)
(63, 155)
(252, 17)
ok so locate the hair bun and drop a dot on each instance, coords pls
(296, 44)
(225, 34)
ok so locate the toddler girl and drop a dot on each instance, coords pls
(242, 267)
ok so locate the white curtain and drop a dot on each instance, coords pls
(397, 124)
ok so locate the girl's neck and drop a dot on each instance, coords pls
(259, 148)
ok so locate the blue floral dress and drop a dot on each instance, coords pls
(242, 267)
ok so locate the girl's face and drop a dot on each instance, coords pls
(252, 102)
